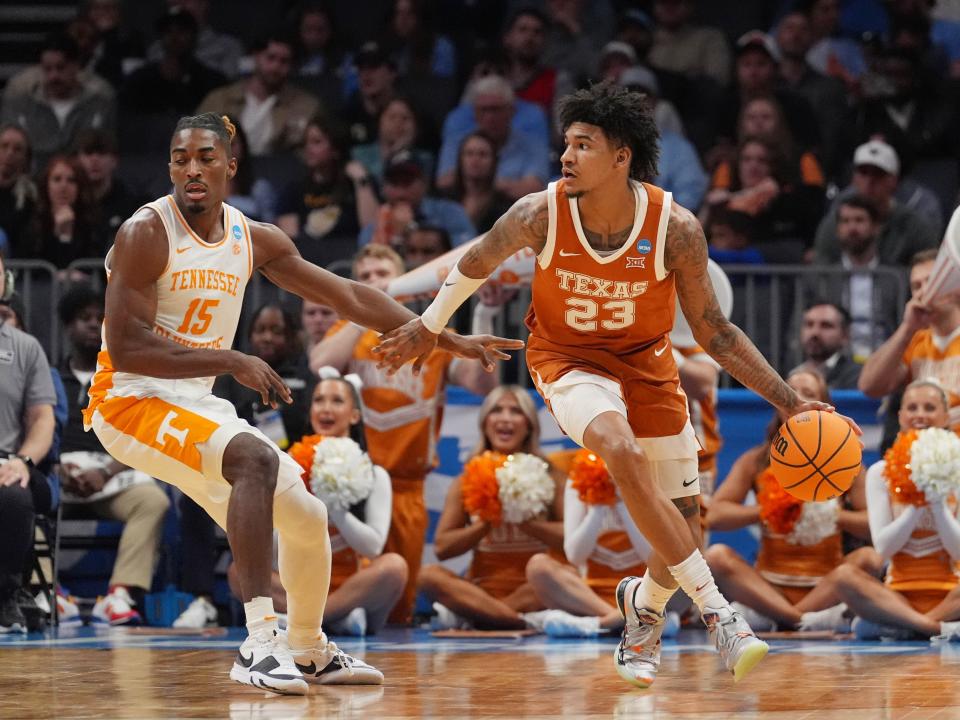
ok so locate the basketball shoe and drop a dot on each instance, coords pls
(326, 664)
(11, 617)
(739, 648)
(116, 608)
(637, 657)
(264, 661)
(200, 613)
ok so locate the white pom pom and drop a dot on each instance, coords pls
(342, 474)
(328, 372)
(526, 487)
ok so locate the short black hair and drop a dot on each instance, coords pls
(859, 201)
(61, 42)
(626, 118)
(845, 318)
(220, 125)
(76, 299)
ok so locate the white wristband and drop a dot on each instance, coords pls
(453, 293)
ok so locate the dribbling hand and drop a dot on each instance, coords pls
(811, 405)
(257, 375)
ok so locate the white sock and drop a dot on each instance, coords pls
(261, 616)
(697, 581)
(651, 595)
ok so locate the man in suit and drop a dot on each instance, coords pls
(825, 339)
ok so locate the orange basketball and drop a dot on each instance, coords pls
(815, 456)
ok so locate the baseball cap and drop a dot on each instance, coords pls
(640, 77)
(636, 16)
(616, 47)
(758, 40)
(402, 168)
(878, 154)
(371, 54)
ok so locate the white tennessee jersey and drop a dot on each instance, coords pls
(199, 295)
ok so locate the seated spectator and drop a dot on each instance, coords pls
(473, 182)
(826, 95)
(825, 341)
(334, 199)
(113, 202)
(398, 130)
(523, 161)
(176, 82)
(254, 197)
(96, 484)
(376, 86)
(26, 435)
(365, 582)
(903, 232)
(315, 319)
(495, 593)
(601, 544)
(31, 79)
(414, 47)
(325, 67)
(218, 51)
(732, 238)
(783, 209)
(18, 193)
(919, 536)
(576, 30)
(406, 201)
(786, 586)
(423, 243)
(757, 63)
(274, 337)
(117, 43)
(55, 110)
(683, 47)
(872, 299)
(271, 109)
(524, 42)
(62, 227)
(830, 54)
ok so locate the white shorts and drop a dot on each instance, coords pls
(181, 441)
(578, 397)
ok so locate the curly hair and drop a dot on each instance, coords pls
(626, 118)
(220, 125)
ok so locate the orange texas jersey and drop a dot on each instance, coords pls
(928, 356)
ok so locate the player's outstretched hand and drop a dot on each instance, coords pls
(257, 375)
(809, 405)
(413, 341)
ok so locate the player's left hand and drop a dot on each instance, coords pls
(810, 405)
(410, 341)
(485, 348)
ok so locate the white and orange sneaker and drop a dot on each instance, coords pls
(740, 649)
(116, 608)
(637, 657)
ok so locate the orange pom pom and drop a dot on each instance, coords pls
(303, 451)
(898, 474)
(481, 491)
(779, 510)
(589, 477)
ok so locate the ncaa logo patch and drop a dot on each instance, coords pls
(644, 246)
(237, 234)
(634, 262)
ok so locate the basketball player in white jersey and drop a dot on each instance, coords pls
(177, 274)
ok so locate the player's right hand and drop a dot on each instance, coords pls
(257, 375)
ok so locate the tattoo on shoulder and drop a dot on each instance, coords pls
(523, 225)
(685, 241)
(532, 218)
(688, 506)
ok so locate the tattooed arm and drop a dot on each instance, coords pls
(523, 225)
(685, 253)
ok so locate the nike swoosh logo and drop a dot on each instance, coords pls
(449, 284)
(564, 253)
(688, 483)
(661, 351)
(310, 669)
(182, 249)
(700, 587)
(246, 662)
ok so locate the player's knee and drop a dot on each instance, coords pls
(249, 459)
(721, 558)
(620, 451)
(300, 517)
(539, 568)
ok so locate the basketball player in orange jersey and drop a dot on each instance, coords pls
(177, 274)
(613, 254)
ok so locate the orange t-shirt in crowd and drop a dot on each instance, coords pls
(609, 315)
(928, 356)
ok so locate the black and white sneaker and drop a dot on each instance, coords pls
(264, 661)
(11, 617)
(326, 664)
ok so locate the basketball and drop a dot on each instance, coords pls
(815, 456)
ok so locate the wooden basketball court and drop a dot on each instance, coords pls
(107, 673)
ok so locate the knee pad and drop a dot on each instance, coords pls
(297, 514)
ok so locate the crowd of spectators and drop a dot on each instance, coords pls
(810, 140)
